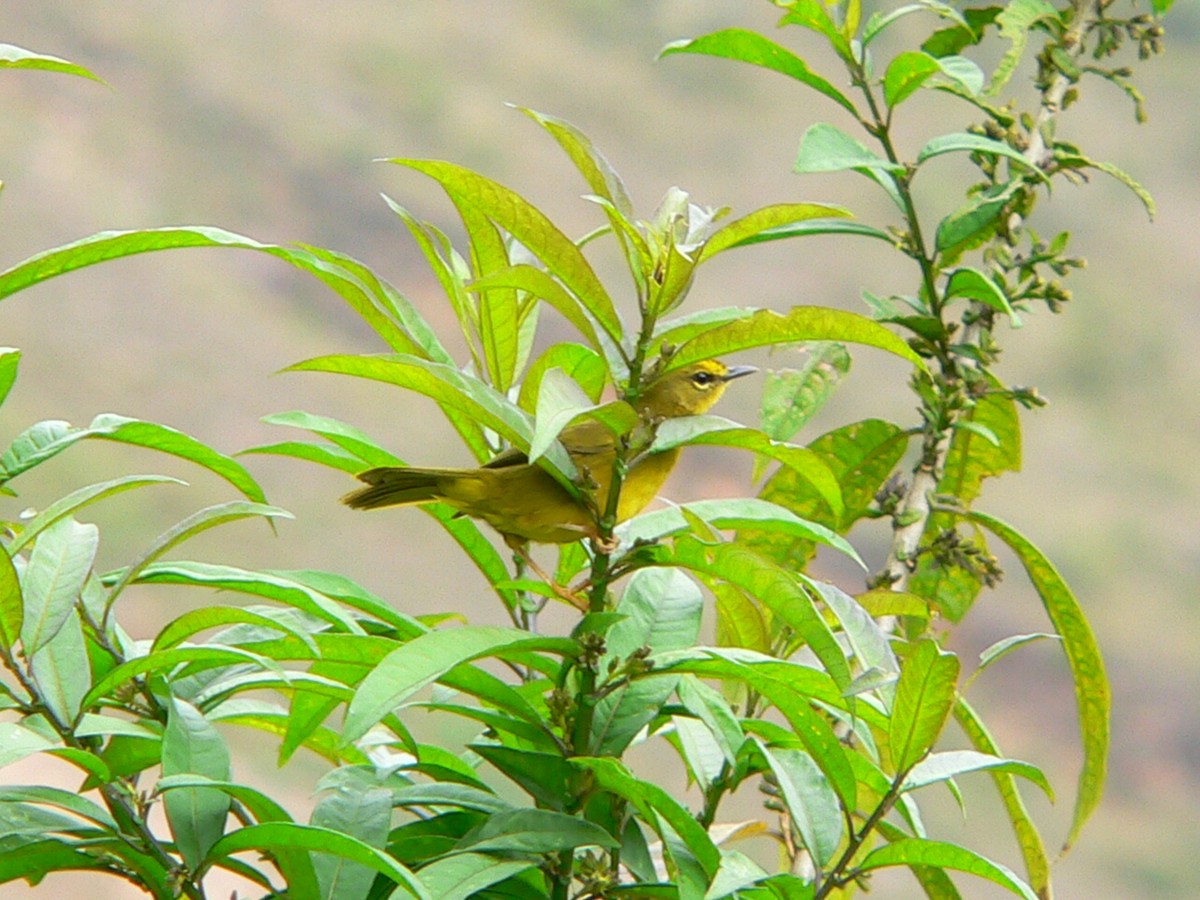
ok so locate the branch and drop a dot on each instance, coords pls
(914, 510)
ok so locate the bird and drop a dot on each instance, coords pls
(525, 503)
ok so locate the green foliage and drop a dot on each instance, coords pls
(834, 705)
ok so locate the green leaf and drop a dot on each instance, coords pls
(18, 742)
(972, 457)
(710, 707)
(452, 388)
(776, 588)
(12, 604)
(385, 309)
(817, 226)
(463, 875)
(532, 228)
(861, 456)
(61, 671)
(867, 641)
(363, 812)
(905, 74)
(546, 777)
(53, 579)
(424, 659)
(814, 15)
(194, 621)
(1074, 160)
(742, 513)
(658, 809)
(534, 831)
(763, 327)
(921, 852)
(204, 656)
(1092, 692)
(47, 439)
(344, 436)
(13, 57)
(1005, 646)
(194, 524)
(976, 216)
(544, 287)
(582, 365)
(606, 185)
(741, 231)
(1015, 21)
(965, 142)
(792, 689)
(77, 500)
(291, 589)
(191, 746)
(662, 610)
(562, 402)
(791, 397)
(750, 47)
(9, 359)
(975, 285)
(881, 20)
(715, 430)
(963, 73)
(1033, 850)
(925, 695)
(274, 837)
(937, 767)
(826, 148)
(810, 800)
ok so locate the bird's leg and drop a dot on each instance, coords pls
(521, 549)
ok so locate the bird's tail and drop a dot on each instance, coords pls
(395, 486)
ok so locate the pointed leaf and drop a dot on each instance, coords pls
(13, 57)
(782, 215)
(191, 746)
(9, 359)
(423, 660)
(662, 609)
(763, 327)
(1033, 850)
(534, 831)
(749, 47)
(47, 439)
(952, 763)
(905, 74)
(529, 226)
(12, 604)
(464, 875)
(582, 365)
(965, 142)
(920, 852)
(194, 524)
(77, 500)
(1092, 691)
(274, 837)
(715, 430)
(925, 694)
(53, 579)
(810, 800)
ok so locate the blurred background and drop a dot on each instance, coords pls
(265, 119)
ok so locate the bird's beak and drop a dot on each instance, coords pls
(738, 371)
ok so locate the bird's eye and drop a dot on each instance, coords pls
(703, 379)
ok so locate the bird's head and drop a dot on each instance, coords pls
(689, 390)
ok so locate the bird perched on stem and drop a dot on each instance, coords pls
(524, 502)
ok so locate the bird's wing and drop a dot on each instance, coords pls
(505, 458)
(587, 438)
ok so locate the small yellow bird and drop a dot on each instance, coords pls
(524, 502)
